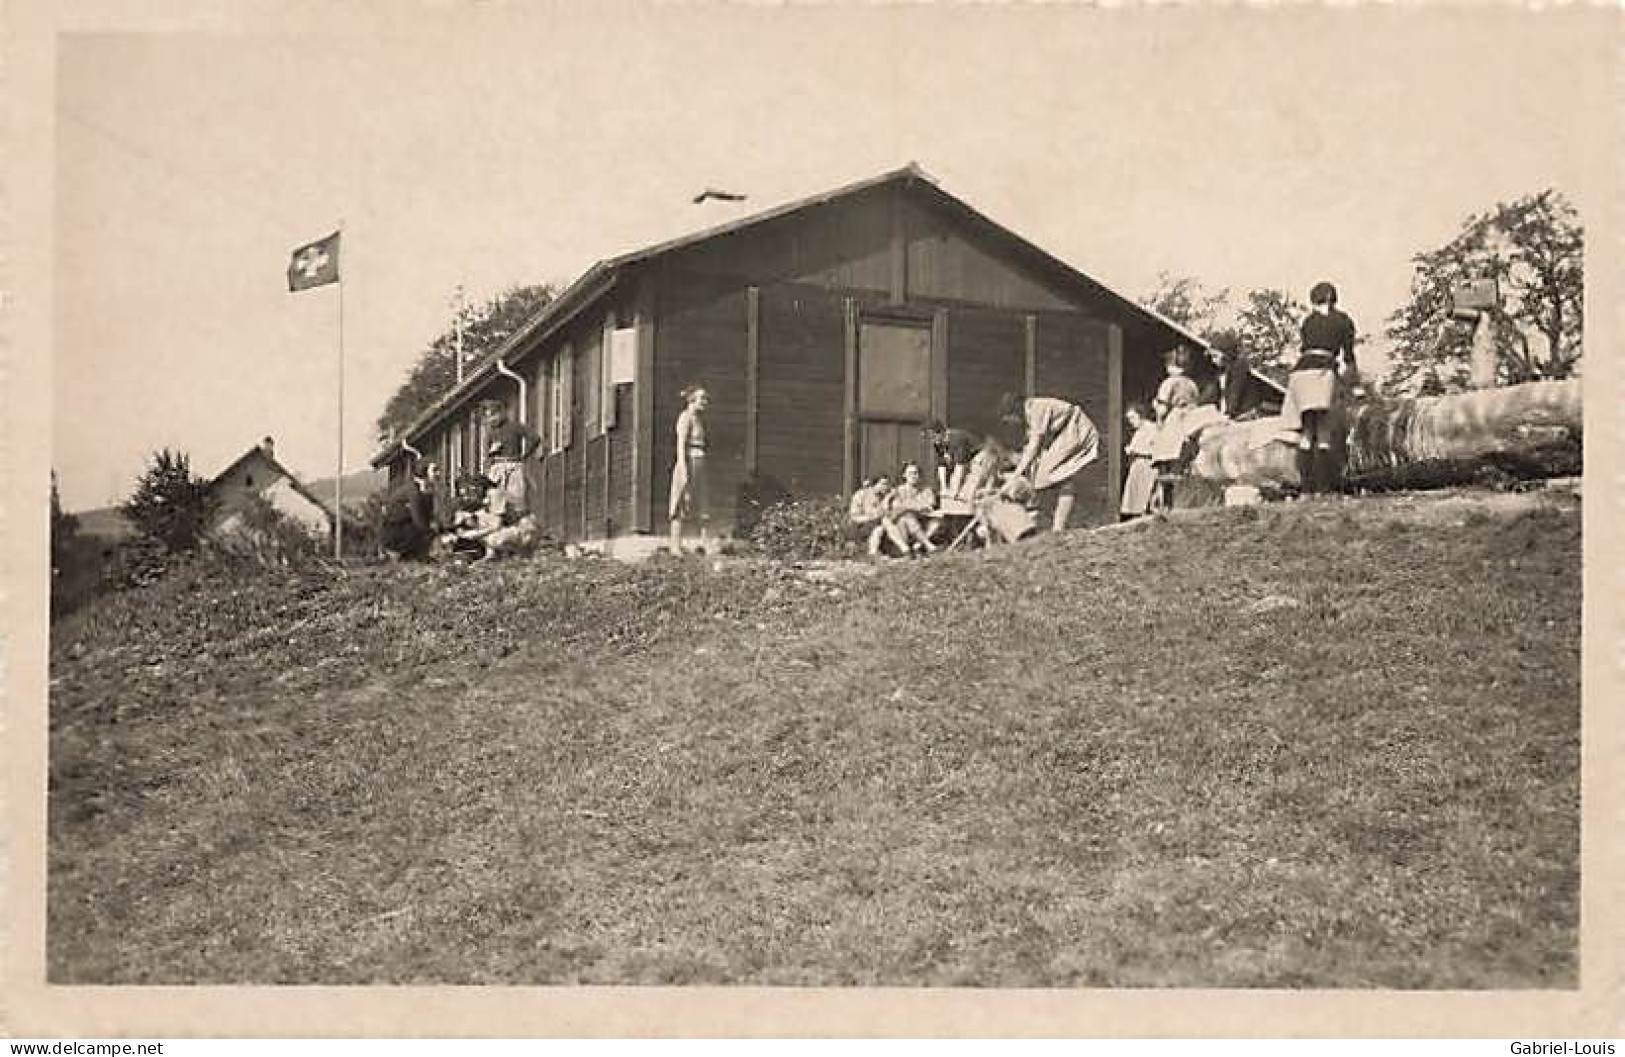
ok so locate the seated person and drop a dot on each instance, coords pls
(868, 521)
(986, 474)
(465, 538)
(408, 527)
(1011, 513)
(471, 520)
(483, 535)
(509, 538)
(986, 471)
(911, 511)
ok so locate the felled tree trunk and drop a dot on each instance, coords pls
(1383, 435)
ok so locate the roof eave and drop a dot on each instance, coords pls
(580, 295)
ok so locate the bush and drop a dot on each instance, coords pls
(801, 529)
(264, 535)
(78, 573)
(364, 528)
(137, 562)
(170, 504)
(757, 495)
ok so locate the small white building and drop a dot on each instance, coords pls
(257, 473)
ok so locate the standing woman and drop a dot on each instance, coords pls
(1061, 441)
(1327, 337)
(1141, 480)
(688, 476)
(1175, 399)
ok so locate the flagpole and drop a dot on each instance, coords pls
(458, 323)
(338, 480)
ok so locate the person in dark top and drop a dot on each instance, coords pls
(409, 517)
(954, 449)
(508, 439)
(1208, 388)
(1238, 396)
(507, 444)
(1327, 342)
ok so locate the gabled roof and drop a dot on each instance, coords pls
(293, 481)
(599, 279)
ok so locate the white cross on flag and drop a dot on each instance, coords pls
(316, 264)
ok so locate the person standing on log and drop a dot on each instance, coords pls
(1312, 397)
(689, 491)
(1173, 405)
(1061, 441)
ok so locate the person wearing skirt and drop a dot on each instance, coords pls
(1313, 388)
(1141, 480)
(1061, 441)
(688, 477)
(1176, 398)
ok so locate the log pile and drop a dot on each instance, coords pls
(1384, 435)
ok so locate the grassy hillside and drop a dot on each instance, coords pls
(106, 523)
(1322, 744)
(358, 487)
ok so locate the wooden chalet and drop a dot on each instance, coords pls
(827, 331)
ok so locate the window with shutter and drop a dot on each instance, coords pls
(592, 396)
(607, 388)
(563, 397)
(555, 378)
(538, 399)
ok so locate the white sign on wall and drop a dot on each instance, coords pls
(623, 355)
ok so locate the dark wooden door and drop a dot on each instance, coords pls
(894, 395)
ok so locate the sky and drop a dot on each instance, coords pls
(486, 144)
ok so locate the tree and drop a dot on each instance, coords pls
(1186, 302)
(1533, 247)
(1268, 325)
(64, 526)
(485, 328)
(169, 504)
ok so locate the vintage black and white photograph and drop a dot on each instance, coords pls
(924, 496)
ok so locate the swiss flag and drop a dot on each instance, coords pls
(314, 264)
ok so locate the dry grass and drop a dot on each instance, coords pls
(1322, 744)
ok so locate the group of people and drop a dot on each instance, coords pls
(489, 513)
(982, 488)
(1325, 372)
(985, 492)
(1159, 436)
(898, 520)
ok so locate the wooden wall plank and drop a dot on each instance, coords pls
(898, 285)
(1030, 355)
(1114, 411)
(939, 365)
(986, 359)
(1073, 365)
(609, 421)
(849, 449)
(643, 396)
(753, 358)
(801, 394)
